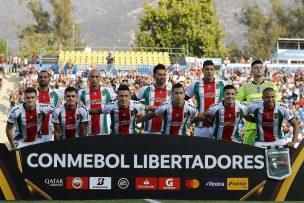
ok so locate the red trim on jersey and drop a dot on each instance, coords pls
(229, 121)
(44, 98)
(209, 97)
(267, 125)
(31, 125)
(160, 96)
(177, 118)
(70, 124)
(95, 98)
(124, 121)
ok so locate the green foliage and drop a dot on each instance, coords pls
(265, 28)
(3, 47)
(48, 36)
(188, 24)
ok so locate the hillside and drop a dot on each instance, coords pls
(108, 23)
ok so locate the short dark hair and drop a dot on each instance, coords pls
(159, 67)
(268, 89)
(208, 63)
(123, 87)
(44, 71)
(30, 90)
(70, 89)
(228, 87)
(177, 86)
(256, 62)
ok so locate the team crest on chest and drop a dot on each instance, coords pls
(229, 115)
(95, 93)
(160, 92)
(268, 115)
(70, 117)
(177, 115)
(124, 114)
(258, 89)
(43, 96)
(209, 86)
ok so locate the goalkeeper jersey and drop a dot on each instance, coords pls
(227, 120)
(269, 121)
(251, 93)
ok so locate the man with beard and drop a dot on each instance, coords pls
(154, 95)
(69, 120)
(96, 97)
(28, 118)
(47, 98)
(176, 112)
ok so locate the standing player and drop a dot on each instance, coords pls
(28, 118)
(269, 115)
(123, 111)
(96, 97)
(227, 116)
(154, 95)
(69, 120)
(47, 98)
(207, 92)
(252, 92)
(176, 112)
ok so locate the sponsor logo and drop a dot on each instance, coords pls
(53, 182)
(169, 183)
(146, 183)
(237, 184)
(192, 183)
(215, 184)
(77, 183)
(100, 183)
(123, 183)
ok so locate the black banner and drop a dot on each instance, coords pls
(145, 166)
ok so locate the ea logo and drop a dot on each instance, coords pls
(77, 183)
(123, 183)
(169, 182)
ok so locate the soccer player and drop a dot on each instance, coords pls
(269, 115)
(123, 111)
(252, 92)
(227, 116)
(207, 91)
(154, 95)
(47, 98)
(176, 112)
(28, 118)
(96, 97)
(69, 120)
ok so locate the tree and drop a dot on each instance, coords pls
(188, 24)
(48, 36)
(3, 47)
(265, 29)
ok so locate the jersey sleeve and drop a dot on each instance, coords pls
(84, 115)
(11, 117)
(160, 110)
(193, 111)
(240, 95)
(140, 107)
(113, 95)
(190, 90)
(81, 96)
(288, 115)
(244, 109)
(55, 118)
(140, 93)
(251, 108)
(212, 109)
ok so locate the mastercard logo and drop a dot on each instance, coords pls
(192, 183)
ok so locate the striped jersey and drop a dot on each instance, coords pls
(70, 120)
(123, 120)
(50, 100)
(206, 94)
(227, 120)
(155, 97)
(28, 123)
(252, 93)
(175, 119)
(269, 121)
(98, 124)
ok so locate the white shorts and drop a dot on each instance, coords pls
(203, 132)
(46, 138)
(280, 142)
(21, 143)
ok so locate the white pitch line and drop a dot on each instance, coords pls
(152, 201)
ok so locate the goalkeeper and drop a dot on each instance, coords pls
(251, 92)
